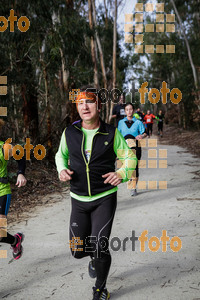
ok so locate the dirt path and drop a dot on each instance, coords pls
(47, 270)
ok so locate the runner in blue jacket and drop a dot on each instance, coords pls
(132, 130)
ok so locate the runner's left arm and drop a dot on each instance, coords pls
(21, 166)
(142, 131)
(7, 151)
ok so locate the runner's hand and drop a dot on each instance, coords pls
(139, 137)
(65, 175)
(21, 180)
(112, 178)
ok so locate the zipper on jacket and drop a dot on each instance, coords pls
(87, 163)
(87, 166)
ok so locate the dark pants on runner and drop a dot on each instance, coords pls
(4, 208)
(160, 126)
(90, 228)
(138, 153)
(149, 128)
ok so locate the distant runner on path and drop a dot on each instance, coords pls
(5, 198)
(118, 110)
(92, 147)
(148, 118)
(140, 114)
(160, 119)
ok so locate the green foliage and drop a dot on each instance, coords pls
(57, 41)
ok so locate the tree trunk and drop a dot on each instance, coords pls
(25, 111)
(15, 121)
(65, 72)
(49, 141)
(109, 113)
(70, 4)
(33, 112)
(30, 114)
(44, 67)
(106, 14)
(179, 115)
(114, 46)
(93, 51)
(99, 46)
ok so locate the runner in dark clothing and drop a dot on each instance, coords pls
(140, 114)
(92, 147)
(118, 110)
(160, 119)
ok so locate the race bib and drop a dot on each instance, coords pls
(131, 143)
(122, 112)
(148, 120)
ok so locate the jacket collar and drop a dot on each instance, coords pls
(102, 127)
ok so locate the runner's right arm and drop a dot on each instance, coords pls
(62, 157)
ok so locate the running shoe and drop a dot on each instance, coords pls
(134, 192)
(18, 249)
(91, 269)
(100, 295)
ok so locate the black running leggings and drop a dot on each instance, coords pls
(138, 152)
(90, 228)
(149, 128)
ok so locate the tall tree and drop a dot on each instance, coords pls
(114, 66)
(93, 44)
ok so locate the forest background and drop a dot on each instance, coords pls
(73, 43)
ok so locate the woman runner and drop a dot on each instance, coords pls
(132, 130)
